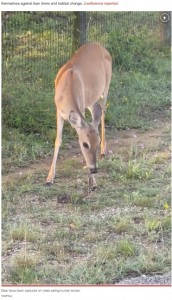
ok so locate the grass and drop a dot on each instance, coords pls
(121, 229)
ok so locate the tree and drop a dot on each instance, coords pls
(79, 29)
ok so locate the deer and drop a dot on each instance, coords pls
(83, 83)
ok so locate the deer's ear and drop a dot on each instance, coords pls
(75, 120)
(96, 113)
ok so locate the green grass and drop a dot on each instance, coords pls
(121, 229)
(137, 94)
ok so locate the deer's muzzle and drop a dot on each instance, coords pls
(93, 170)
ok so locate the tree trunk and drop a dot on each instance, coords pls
(79, 29)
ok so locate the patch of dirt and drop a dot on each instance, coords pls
(125, 139)
(118, 142)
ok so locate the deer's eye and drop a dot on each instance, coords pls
(85, 145)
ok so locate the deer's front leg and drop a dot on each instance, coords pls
(58, 141)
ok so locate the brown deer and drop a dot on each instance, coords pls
(83, 82)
